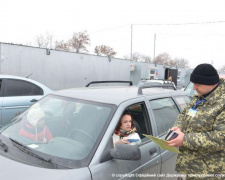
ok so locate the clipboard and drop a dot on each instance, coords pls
(162, 143)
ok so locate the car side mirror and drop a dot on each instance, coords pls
(126, 152)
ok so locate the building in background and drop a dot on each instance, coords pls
(60, 69)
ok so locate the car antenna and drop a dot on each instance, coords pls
(29, 75)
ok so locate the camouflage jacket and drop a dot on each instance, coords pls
(203, 150)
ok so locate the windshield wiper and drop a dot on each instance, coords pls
(27, 150)
(9, 123)
(4, 146)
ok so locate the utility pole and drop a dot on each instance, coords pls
(154, 48)
(131, 43)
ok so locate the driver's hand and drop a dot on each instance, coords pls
(123, 141)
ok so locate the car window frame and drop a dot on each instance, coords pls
(5, 86)
(147, 121)
(162, 134)
(177, 104)
(190, 85)
(2, 87)
(121, 108)
(145, 147)
(160, 96)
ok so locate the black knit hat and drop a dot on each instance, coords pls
(204, 74)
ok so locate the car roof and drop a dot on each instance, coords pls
(153, 80)
(11, 76)
(157, 81)
(113, 95)
(162, 81)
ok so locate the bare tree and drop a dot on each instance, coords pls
(105, 50)
(44, 41)
(61, 45)
(40, 41)
(139, 57)
(163, 58)
(136, 56)
(146, 59)
(181, 62)
(28, 43)
(79, 41)
(171, 62)
(222, 69)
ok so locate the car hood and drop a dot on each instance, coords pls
(13, 170)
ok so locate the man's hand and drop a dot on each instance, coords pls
(178, 141)
(175, 128)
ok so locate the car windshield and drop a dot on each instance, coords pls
(62, 128)
(189, 89)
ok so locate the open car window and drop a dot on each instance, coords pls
(139, 113)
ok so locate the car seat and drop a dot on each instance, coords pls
(86, 128)
(138, 128)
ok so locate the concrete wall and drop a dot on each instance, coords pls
(60, 70)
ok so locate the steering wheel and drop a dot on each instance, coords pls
(48, 114)
(78, 133)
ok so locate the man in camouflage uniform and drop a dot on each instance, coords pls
(201, 127)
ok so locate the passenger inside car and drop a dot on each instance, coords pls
(125, 132)
(33, 127)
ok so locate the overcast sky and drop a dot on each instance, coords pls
(109, 23)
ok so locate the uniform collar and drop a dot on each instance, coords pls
(210, 97)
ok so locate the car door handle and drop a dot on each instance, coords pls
(17, 113)
(34, 100)
(153, 152)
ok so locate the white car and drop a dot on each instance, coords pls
(81, 126)
(154, 82)
(17, 94)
